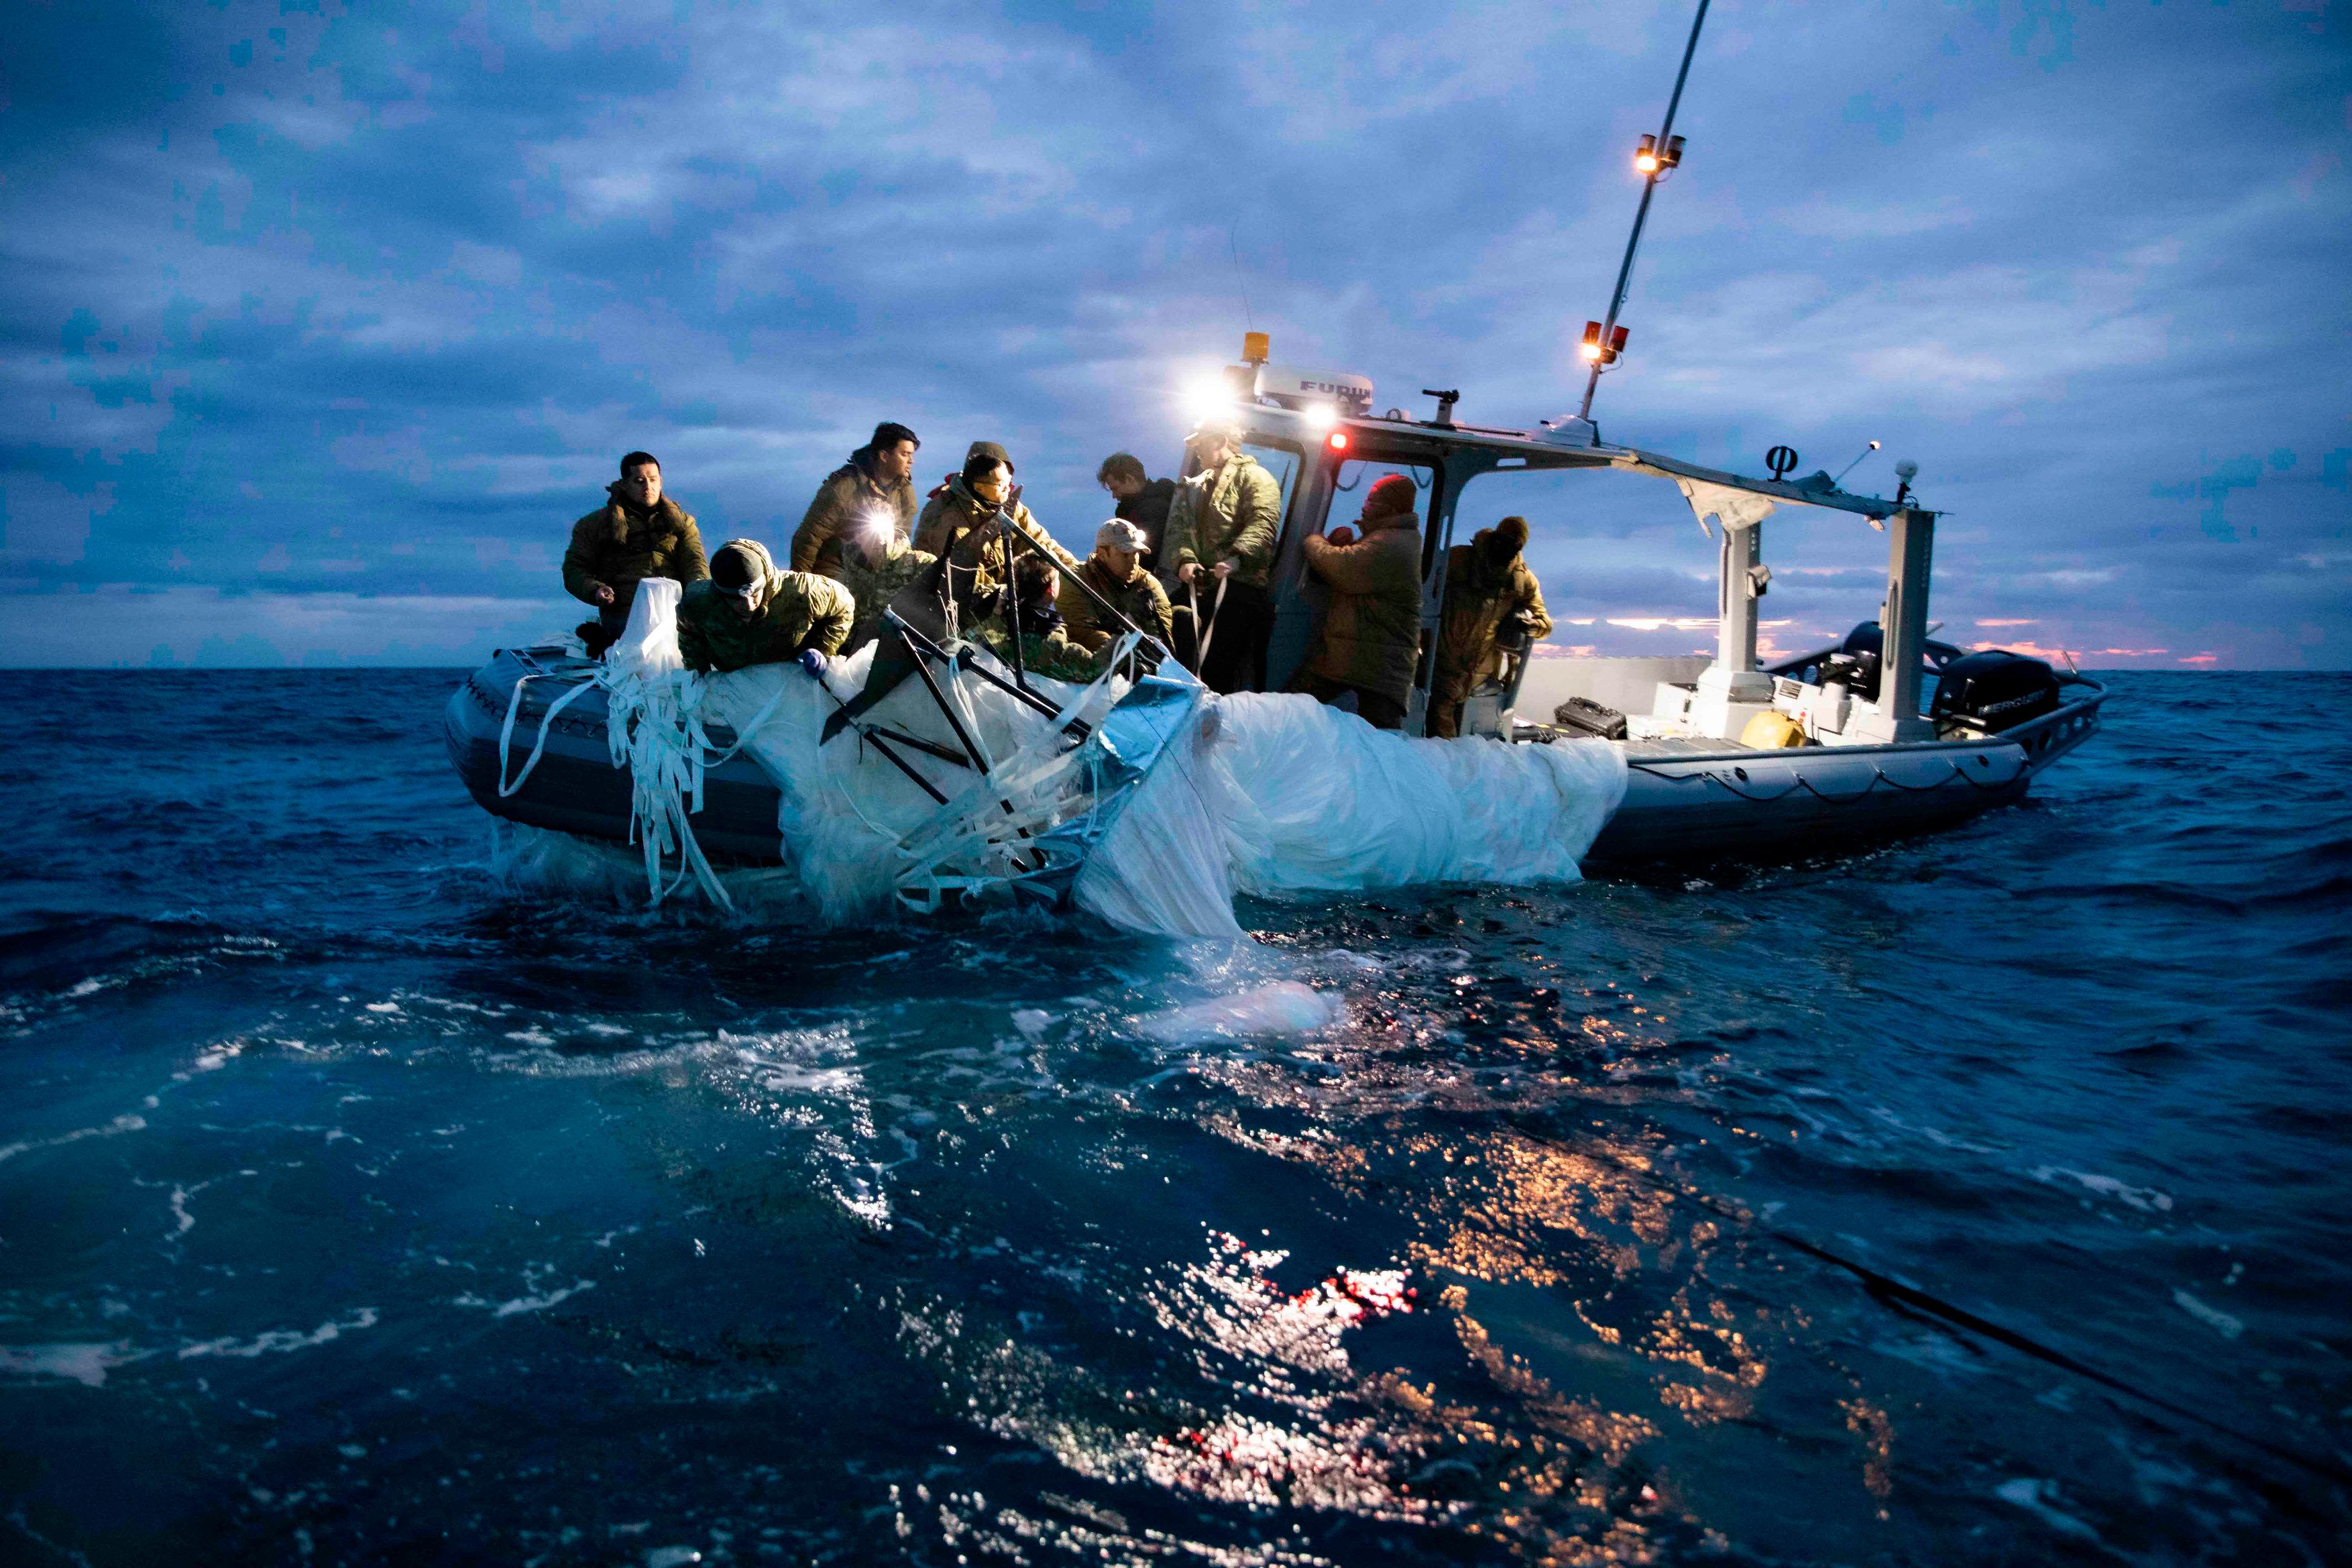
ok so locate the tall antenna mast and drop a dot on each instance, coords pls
(1655, 158)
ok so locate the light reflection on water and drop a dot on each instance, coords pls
(348, 1200)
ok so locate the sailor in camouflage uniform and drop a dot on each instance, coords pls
(750, 613)
(876, 483)
(1115, 571)
(1492, 603)
(1370, 637)
(963, 510)
(876, 563)
(1222, 528)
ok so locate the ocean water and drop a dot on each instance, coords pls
(1980, 1199)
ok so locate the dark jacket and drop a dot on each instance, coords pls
(800, 610)
(1148, 510)
(841, 503)
(1140, 599)
(1370, 637)
(617, 546)
(1481, 595)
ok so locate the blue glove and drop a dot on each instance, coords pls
(814, 662)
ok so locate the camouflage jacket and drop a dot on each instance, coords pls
(1480, 599)
(955, 508)
(1052, 655)
(1370, 636)
(875, 586)
(800, 610)
(1140, 599)
(844, 499)
(617, 547)
(1233, 515)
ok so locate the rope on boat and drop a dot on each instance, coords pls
(654, 728)
(505, 734)
(1878, 776)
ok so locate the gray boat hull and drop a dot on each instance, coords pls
(575, 788)
(1682, 804)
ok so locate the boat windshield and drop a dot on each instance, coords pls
(1283, 463)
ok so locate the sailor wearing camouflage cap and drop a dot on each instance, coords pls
(1116, 571)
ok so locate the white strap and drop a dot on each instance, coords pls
(1200, 652)
(505, 734)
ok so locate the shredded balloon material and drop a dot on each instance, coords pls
(1148, 804)
(1314, 799)
(1019, 813)
(652, 725)
(1278, 795)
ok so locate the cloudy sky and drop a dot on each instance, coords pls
(321, 324)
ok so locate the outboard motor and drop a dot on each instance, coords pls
(1857, 672)
(1855, 664)
(1987, 692)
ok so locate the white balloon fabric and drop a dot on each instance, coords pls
(1268, 794)
(1318, 800)
(1281, 794)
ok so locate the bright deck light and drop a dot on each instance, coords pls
(1207, 398)
(1319, 416)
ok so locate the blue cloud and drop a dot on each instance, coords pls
(313, 308)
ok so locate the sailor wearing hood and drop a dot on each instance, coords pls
(960, 512)
(750, 613)
(1491, 601)
(638, 534)
(1370, 636)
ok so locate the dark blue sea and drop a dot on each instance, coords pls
(1983, 1199)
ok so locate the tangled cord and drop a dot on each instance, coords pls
(1017, 798)
(654, 728)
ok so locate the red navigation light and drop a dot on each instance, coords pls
(1337, 440)
(1591, 347)
(1617, 340)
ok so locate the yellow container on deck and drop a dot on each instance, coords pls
(1772, 732)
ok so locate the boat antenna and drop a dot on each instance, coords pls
(1655, 158)
(1866, 452)
(1241, 279)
